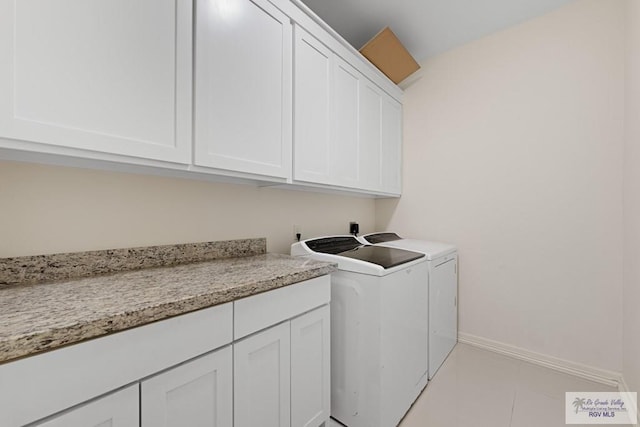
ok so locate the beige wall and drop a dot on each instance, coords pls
(48, 209)
(513, 151)
(631, 345)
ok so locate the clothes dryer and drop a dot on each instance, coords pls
(442, 261)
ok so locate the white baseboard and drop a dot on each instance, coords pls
(602, 376)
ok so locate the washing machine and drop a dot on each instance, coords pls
(442, 261)
(379, 319)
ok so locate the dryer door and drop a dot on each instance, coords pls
(403, 340)
(443, 312)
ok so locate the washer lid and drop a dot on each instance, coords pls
(383, 256)
(432, 250)
(333, 245)
(350, 247)
(375, 238)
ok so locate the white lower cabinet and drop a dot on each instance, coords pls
(258, 361)
(281, 356)
(282, 374)
(196, 394)
(310, 368)
(119, 409)
(262, 379)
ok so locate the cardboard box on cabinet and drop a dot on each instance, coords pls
(386, 52)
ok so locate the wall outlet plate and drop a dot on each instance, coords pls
(354, 228)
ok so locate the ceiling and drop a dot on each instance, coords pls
(427, 27)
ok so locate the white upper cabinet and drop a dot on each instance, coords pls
(243, 82)
(391, 150)
(380, 160)
(312, 91)
(347, 130)
(345, 147)
(370, 135)
(249, 89)
(111, 76)
(326, 89)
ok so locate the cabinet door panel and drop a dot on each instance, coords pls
(262, 379)
(312, 109)
(370, 135)
(310, 368)
(197, 394)
(119, 409)
(391, 160)
(243, 87)
(111, 76)
(345, 147)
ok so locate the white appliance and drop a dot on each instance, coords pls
(378, 329)
(442, 261)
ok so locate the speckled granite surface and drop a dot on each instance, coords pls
(41, 268)
(40, 317)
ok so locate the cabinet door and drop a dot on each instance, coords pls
(262, 379)
(111, 76)
(196, 394)
(312, 92)
(391, 154)
(243, 87)
(370, 135)
(119, 409)
(345, 144)
(310, 368)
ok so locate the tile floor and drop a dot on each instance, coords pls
(478, 388)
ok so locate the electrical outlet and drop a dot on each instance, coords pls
(354, 228)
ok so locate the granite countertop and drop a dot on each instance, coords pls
(36, 317)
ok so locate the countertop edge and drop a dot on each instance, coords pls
(54, 338)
